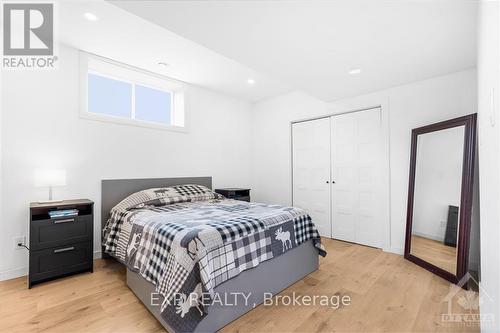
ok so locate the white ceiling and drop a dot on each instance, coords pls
(127, 38)
(311, 45)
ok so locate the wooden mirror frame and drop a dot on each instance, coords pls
(469, 122)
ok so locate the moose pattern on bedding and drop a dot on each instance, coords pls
(187, 240)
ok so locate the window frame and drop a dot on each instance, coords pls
(114, 70)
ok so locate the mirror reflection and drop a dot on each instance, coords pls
(438, 181)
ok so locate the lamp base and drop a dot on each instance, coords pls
(50, 198)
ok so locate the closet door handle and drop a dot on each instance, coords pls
(333, 181)
(327, 182)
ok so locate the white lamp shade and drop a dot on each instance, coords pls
(50, 177)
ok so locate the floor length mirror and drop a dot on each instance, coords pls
(440, 196)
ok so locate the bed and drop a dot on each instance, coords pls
(178, 240)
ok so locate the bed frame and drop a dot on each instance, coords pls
(270, 276)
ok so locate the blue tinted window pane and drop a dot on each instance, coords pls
(108, 96)
(152, 105)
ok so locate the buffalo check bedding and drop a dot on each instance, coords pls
(188, 240)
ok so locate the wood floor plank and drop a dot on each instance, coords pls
(434, 252)
(387, 294)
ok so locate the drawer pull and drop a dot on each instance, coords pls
(66, 249)
(64, 221)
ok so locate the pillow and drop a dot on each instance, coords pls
(166, 195)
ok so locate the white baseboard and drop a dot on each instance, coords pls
(97, 255)
(396, 250)
(433, 237)
(13, 273)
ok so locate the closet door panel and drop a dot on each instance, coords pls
(356, 142)
(311, 171)
(369, 130)
(344, 190)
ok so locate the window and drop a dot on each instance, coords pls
(152, 104)
(109, 96)
(123, 94)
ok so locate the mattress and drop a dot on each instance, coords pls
(186, 240)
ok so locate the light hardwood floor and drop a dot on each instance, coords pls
(435, 252)
(387, 294)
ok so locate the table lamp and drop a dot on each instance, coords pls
(50, 178)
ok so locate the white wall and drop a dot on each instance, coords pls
(438, 180)
(271, 143)
(408, 106)
(2, 223)
(41, 128)
(489, 154)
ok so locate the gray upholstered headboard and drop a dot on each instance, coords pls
(115, 190)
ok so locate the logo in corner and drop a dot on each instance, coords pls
(468, 301)
(28, 36)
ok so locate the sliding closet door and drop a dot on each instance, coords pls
(311, 171)
(357, 197)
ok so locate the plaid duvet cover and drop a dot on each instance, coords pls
(190, 243)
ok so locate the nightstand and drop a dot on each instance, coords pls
(242, 194)
(60, 246)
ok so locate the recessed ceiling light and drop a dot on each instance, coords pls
(251, 81)
(355, 71)
(90, 16)
(163, 64)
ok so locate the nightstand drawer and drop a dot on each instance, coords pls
(60, 231)
(60, 260)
